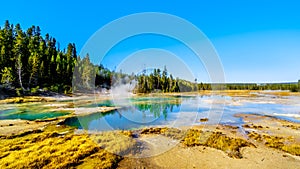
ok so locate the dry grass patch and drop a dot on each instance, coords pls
(292, 126)
(27, 99)
(156, 130)
(218, 140)
(116, 142)
(194, 137)
(52, 149)
(173, 133)
(292, 149)
(286, 144)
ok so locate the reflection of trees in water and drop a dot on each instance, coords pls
(156, 108)
(83, 122)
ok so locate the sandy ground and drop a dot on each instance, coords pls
(261, 156)
(205, 157)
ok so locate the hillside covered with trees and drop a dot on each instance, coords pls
(30, 62)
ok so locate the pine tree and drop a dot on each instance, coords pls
(19, 51)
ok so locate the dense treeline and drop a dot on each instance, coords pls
(157, 81)
(30, 61)
(88, 77)
(294, 87)
(161, 81)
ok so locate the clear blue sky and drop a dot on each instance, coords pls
(257, 40)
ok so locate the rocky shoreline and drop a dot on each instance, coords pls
(261, 141)
(269, 137)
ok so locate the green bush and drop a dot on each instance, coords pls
(34, 89)
(54, 88)
(67, 89)
(294, 89)
(19, 91)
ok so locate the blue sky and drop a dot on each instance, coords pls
(257, 40)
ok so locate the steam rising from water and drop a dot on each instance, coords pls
(121, 90)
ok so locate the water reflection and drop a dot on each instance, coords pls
(156, 109)
(148, 111)
(153, 111)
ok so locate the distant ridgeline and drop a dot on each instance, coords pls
(292, 86)
(33, 64)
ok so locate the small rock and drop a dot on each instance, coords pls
(204, 120)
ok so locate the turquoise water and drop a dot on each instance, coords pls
(140, 112)
(28, 115)
(182, 111)
(29, 111)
